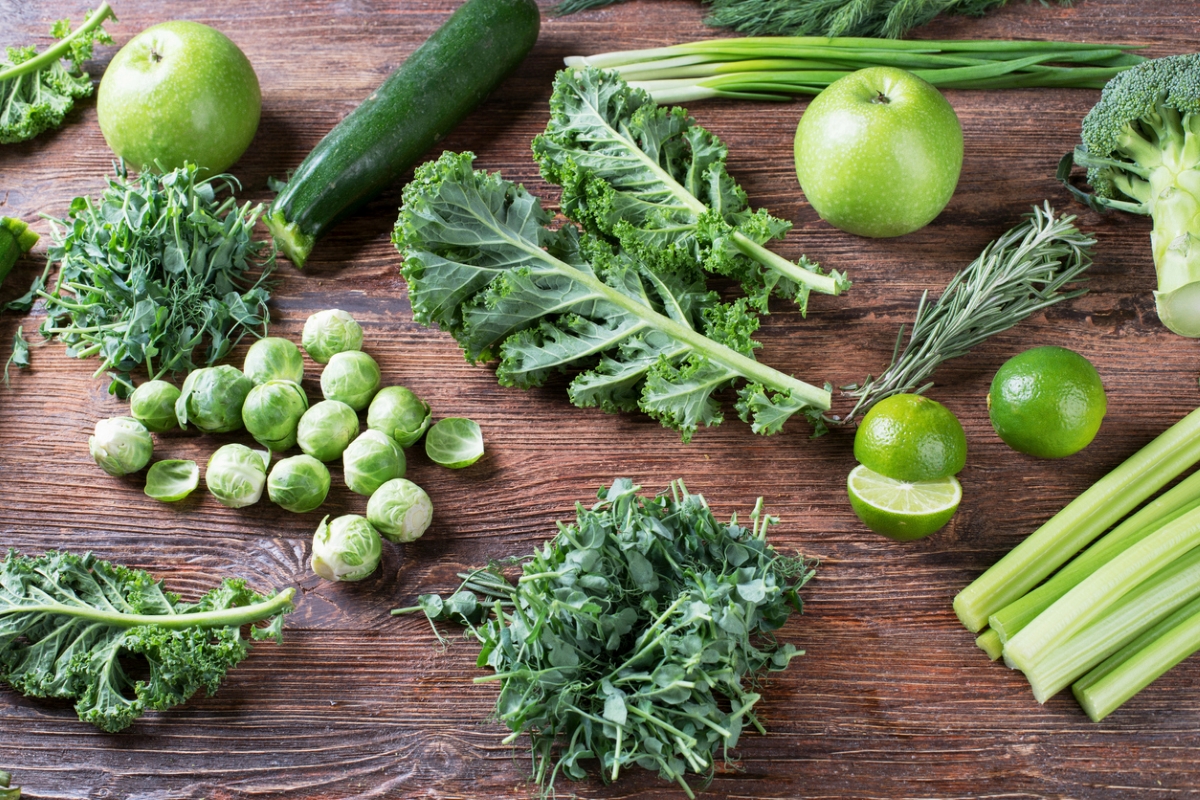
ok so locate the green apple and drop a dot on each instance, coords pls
(179, 91)
(878, 152)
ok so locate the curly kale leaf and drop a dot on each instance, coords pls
(67, 622)
(482, 264)
(37, 91)
(655, 181)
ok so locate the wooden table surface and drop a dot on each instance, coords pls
(892, 700)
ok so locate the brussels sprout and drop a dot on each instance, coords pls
(171, 481)
(272, 413)
(400, 414)
(372, 460)
(454, 442)
(274, 359)
(352, 377)
(299, 484)
(327, 333)
(326, 429)
(236, 474)
(121, 445)
(347, 549)
(153, 405)
(212, 399)
(400, 510)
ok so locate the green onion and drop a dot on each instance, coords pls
(1085, 518)
(778, 67)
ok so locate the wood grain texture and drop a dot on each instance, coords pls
(892, 699)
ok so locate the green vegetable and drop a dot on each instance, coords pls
(8, 792)
(776, 68)
(351, 377)
(654, 181)
(153, 405)
(153, 269)
(329, 332)
(370, 461)
(272, 413)
(38, 90)
(236, 475)
(423, 100)
(630, 637)
(70, 625)
(121, 445)
(888, 18)
(1019, 274)
(299, 484)
(1141, 146)
(274, 359)
(400, 510)
(482, 264)
(20, 353)
(16, 239)
(172, 481)
(454, 442)
(326, 429)
(212, 399)
(347, 549)
(400, 414)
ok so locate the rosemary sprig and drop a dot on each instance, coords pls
(1015, 276)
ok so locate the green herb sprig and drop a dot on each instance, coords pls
(153, 269)
(1019, 274)
(630, 637)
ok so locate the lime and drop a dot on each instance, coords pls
(903, 510)
(1047, 402)
(911, 438)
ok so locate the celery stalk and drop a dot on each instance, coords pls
(1093, 596)
(1085, 518)
(1136, 666)
(1153, 600)
(1164, 509)
(989, 642)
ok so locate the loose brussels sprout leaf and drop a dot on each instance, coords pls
(372, 460)
(347, 549)
(400, 510)
(274, 359)
(212, 399)
(121, 445)
(351, 377)
(153, 405)
(272, 413)
(326, 429)
(171, 481)
(236, 475)
(454, 442)
(328, 333)
(298, 484)
(400, 414)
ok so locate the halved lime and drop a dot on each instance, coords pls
(903, 510)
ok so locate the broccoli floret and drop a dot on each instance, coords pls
(1141, 147)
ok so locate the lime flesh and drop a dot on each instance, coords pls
(902, 510)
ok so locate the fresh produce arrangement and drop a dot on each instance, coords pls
(628, 638)
(642, 632)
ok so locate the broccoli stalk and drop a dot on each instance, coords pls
(1141, 147)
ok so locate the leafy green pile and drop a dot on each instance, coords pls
(37, 91)
(482, 264)
(655, 181)
(630, 636)
(154, 268)
(67, 623)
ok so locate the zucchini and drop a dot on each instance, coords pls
(16, 239)
(421, 101)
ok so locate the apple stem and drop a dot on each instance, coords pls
(882, 99)
(45, 59)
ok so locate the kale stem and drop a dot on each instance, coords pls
(59, 50)
(222, 618)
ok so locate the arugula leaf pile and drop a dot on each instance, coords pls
(68, 621)
(655, 181)
(153, 269)
(482, 264)
(37, 91)
(630, 637)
